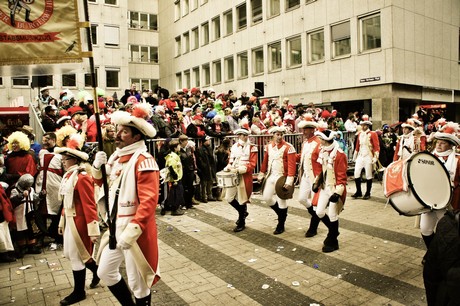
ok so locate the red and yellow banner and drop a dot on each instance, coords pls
(39, 32)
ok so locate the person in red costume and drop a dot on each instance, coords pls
(197, 128)
(279, 160)
(79, 220)
(330, 187)
(309, 168)
(242, 161)
(134, 181)
(85, 126)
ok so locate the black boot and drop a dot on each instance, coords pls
(314, 222)
(27, 17)
(276, 208)
(427, 240)
(91, 265)
(358, 193)
(367, 195)
(145, 301)
(78, 293)
(281, 220)
(326, 221)
(242, 214)
(331, 243)
(121, 291)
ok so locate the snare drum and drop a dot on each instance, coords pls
(227, 179)
(424, 184)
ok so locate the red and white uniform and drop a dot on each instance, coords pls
(334, 166)
(79, 216)
(279, 160)
(135, 172)
(367, 148)
(49, 178)
(406, 146)
(309, 168)
(243, 159)
(451, 161)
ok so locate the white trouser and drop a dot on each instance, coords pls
(305, 190)
(325, 207)
(429, 220)
(231, 194)
(71, 250)
(269, 194)
(366, 163)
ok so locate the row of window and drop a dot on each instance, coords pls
(340, 47)
(182, 8)
(145, 21)
(143, 54)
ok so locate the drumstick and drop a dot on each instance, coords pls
(417, 221)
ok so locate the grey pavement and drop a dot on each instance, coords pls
(203, 262)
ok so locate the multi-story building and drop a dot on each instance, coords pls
(125, 47)
(385, 58)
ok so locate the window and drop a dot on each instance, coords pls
(216, 28)
(258, 61)
(69, 80)
(370, 32)
(206, 74)
(88, 79)
(153, 52)
(153, 22)
(274, 56)
(196, 76)
(256, 7)
(144, 54)
(340, 34)
(186, 8)
(195, 38)
(143, 21)
(193, 7)
(21, 81)
(178, 46)
(111, 78)
(294, 52)
(241, 16)
(177, 10)
(144, 84)
(316, 46)
(178, 80)
(229, 69)
(112, 36)
(186, 42)
(111, 2)
(94, 34)
(94, 1)
(133, 20)
(292, 4)
(203, 2)
(135, 53)
(187, 79)
(242, 64)
(228, 22)
(205, 32)
(217, 72)
(273, 8)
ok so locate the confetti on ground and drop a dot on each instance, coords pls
(252, 260)
(294, 249)
(196, 230)
(25, 267)
(299, 261)
(265, 286)
(295, 283)
(316, 266)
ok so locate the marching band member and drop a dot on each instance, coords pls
(79, 221)
(279, 160)
(133, 197)
(409, 142)
(330, 187)
(309, 168)
(366, 155)
(446, 141)
(243, 160)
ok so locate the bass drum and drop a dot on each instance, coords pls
(425, 184)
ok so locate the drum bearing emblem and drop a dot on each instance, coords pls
(426, 162)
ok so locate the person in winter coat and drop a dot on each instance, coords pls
(206, 167)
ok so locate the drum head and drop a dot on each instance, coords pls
(429, 180)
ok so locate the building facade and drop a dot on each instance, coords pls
(386, 58)
(125, 48)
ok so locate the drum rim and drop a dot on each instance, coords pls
(410, 184)
(405, 214)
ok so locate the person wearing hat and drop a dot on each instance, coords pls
(218, 128)
(87, 127)
(134, 181)
(196, 129)
(43, 98)
(206, 168)
(187, 116)
(446, 142)
(409, 142)
(49, 119)
(365, 156)
(63, 121)
(242, 161)
(79, 221)
(330, 187)
(174, 128)
(309, 169)
(279, 161)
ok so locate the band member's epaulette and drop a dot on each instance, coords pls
(149, 164)
(291, 150)
(254, 149)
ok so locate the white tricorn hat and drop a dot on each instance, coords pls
(276, 129)
(449, 133)
(137, 118)
(410, 123)
(73, 147)
(307, 122)
(366, 120)
(326, 134)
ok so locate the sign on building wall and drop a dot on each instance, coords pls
(39, 32)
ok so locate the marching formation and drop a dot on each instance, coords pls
(66, 191)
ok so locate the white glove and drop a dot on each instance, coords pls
(374, 160)
(123, 245)
(242, 169)
(100, 159)
(289, 181)
(261, 176)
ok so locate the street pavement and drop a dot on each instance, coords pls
(203, 262)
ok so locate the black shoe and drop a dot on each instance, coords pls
(95, 281)
(189, 207)
(357, 195)
(239, 228)
(310, 234)
(144, 301)
(5, 257)
(366, 196)
(177, 212)
(163, 212)
(330, 248)
(33, 250)
(245, 216)
(212, 199)
(73, 298)
(278, 231)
